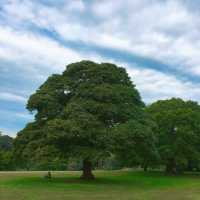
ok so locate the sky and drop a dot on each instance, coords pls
(157, 41)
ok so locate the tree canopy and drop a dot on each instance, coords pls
(178, 132)
(78, 112)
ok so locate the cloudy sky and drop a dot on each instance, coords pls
(157, 41)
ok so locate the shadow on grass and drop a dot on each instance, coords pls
(135, 179)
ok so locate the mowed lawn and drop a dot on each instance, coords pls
(110, 185)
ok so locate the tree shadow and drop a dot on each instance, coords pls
(128, 179)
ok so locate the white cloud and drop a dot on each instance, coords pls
(36, 54)
(77, 5)
(163, 30)
(33, 49)
(154, 85)
(157, 30)
(29, 48)
(6, 96)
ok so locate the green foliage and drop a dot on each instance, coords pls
(136, 143)
(6, 142)
(6, 160)
(33, 151)
(6, 156)
(78, 112)
(178, 133)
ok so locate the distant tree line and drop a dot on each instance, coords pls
(92, 116)
(6, 147)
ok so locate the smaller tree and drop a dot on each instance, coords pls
(178, 132)
(135, 143)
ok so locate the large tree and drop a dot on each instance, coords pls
(178, 132)
(76, 113)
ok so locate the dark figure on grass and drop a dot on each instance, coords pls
(86, 112)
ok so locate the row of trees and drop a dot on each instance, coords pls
(93, 112)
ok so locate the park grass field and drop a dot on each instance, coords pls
(109, 185)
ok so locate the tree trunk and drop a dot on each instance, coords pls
(145, 168)
(171, 167)
(190, 166)
(87, 170)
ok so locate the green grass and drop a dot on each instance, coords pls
(109, 185)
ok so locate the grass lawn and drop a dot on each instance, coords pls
(109, 185)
